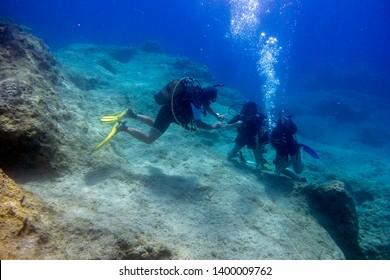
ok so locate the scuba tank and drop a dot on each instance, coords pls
(166, 93)
(177, 87)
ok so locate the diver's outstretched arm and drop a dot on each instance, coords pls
(204, 125)
(215, 114)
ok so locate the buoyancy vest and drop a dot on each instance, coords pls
(186, 89)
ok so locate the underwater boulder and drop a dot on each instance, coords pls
(21, 221)
(30, 106)
(335, 210)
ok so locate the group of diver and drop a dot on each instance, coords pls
(184, 102)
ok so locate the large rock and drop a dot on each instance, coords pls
(335, 210)
(21, 216)
(29, 104)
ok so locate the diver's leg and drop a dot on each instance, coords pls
(298, 164)
(147, 138)
(145, 119)
(142, 118)
(233, 152)
(280, 163)
(258, 154)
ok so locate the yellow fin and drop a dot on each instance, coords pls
(108, 138)
(110, 119)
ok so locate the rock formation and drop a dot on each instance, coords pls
(336, 211)
(29, 104)
(22, 218)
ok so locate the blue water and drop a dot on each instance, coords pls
(311, 32)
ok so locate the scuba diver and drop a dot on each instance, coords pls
(288, 151)
(183, 102)
(249, 124)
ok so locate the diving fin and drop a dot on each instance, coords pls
(310, 151)
(110, 119)
(108, 138)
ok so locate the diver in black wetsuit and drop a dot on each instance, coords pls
(249, 124)
(185, 104)
(288, 151)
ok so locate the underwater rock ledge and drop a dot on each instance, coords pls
(30, 107)
(335, 209)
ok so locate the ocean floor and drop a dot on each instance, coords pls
(179, 198)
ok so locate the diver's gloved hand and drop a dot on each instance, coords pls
(221, 117)
(121, 127)
(131, 114)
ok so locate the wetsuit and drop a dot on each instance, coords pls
(187, 100)
(287, 150)
(251, 127)
(284, 141)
